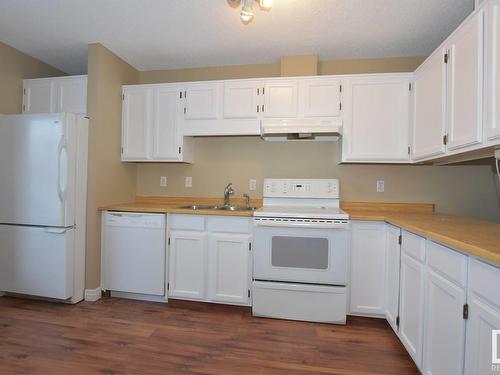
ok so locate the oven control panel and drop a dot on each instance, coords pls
(303, 188)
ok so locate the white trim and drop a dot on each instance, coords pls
(92, 295)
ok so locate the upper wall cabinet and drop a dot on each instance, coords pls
(376, 119)
(150, 124)
(60, 94)
(202, 101)
(429, 122)
(281, 99)
(492, 79)
(242, 99)
(464, 58)
(321, 98)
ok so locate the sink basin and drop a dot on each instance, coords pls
(200, 207)
(235, 208)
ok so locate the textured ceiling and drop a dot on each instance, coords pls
(166, 34)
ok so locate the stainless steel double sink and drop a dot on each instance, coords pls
(196, 207)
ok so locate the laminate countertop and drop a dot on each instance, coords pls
(475, 237)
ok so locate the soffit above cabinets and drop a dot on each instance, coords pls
(161, 34)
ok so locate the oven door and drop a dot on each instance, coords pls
(298, 254)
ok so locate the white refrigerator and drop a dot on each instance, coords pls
(43, 193)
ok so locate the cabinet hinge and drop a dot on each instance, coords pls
(258, 91)
(180, 150)
(340, 106)
(445, 139)
(409, 86)
(409, 150)
(123, 96)
(184, 110)
(465, 313)
(262, 107)
(168, 286)
(257, 108)
(248, 293)
(24, 107)
(122, 150)
(400, 239)
(340, 88)
(250, 246)
(263, 91)
(446, 57)
(169, 240)
(24, 91)
(180, 94)
(397, 321)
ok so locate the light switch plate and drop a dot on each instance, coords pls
(252, 184)
(380, 186)
(163, 181)
(188, 182)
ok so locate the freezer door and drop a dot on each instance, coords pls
(37, 169)
(37, 261)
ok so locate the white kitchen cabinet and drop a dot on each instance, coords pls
(210, 258)
(230, 267)
(58, 94)
(368, 254)
(392, 267)
(167, 140)
(242, 99)
(492, 78)
(429, 111)
(150, 124)
(281, 99)
(444, 329)
(136, 122)
(484, 317)
(202, 101)
(187, 265)
(465, 84)
(376, 119)
(411, 300)
(320, 97)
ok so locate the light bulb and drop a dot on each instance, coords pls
(247, 11)
(265, 4)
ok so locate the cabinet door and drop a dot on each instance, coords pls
(321, 98)
(72, 95)
(392, 266)
(367, 268)
(165, 136)
(188, 265)
(411, 307)
(241, 99)
(429, 123)
(444, 329)
(377, 120)
(492, 81)
(202, 102)
(229, 272)
(136, 117)
(39, 96)
(281, 100)
(465, 84)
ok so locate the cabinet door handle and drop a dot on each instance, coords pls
(257, 109)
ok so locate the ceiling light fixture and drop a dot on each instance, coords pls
(247, 13)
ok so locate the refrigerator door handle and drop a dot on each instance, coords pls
(63, 147)
(56, 230)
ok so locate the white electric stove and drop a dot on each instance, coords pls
(300, 251)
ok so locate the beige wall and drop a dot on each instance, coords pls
(14, 67)
(464, 190)
(109, 180)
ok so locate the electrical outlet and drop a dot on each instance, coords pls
(188, 182)
(252, 184)
(163, 181)
(380, 186)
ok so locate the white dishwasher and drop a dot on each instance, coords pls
(133, 256)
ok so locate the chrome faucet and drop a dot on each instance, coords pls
(228, 190)
(247, 200)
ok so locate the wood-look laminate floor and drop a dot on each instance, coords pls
(115, 336)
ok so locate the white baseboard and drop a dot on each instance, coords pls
(92, 295)
(139, 297)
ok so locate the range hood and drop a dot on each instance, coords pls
(300, 130)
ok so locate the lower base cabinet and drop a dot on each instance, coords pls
(210, 259)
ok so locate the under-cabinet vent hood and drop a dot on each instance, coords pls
(300, 130)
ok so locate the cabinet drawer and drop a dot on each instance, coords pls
(229, 224)
(413, 245)
(447, 262)
(484, 281)
(186, 222)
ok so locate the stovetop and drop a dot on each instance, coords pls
(303, 212)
